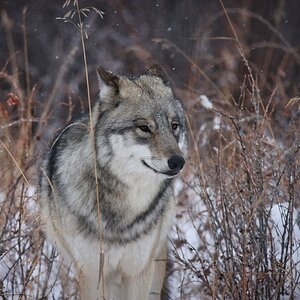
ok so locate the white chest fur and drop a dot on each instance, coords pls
(132, 258)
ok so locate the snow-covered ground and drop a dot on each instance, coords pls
(197, 247)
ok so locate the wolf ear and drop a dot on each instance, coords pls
(157, 70)
(108, 82)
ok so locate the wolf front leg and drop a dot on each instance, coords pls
(89, 289)
(159, 273)
(89, 285)
(138, 287)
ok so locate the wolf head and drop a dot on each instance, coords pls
(140, 125)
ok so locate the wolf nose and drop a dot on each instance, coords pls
(176, 163)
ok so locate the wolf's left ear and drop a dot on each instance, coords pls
(157, 70)
(108, 82)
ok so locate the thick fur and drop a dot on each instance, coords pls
(138, 126)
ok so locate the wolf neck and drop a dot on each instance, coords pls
(141, 189)
(139, 209)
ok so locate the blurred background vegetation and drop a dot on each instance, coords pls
(188, 38)
(244, 145)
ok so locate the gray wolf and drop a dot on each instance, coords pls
(140, 145)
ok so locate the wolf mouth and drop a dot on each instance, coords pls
(168, 173)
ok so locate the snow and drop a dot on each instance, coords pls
(217, 122)
(280, 217)
(186, 229)
(4, 265)
(205, 102)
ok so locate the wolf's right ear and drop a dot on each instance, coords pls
(108, 82)
(157, 71)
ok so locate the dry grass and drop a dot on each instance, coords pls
(237, 230)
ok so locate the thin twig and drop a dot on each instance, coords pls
(15, 162)
(101, 257)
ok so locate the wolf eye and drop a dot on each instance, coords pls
(174, 125)
(144, 128)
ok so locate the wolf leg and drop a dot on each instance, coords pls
(159, 273)
(88, 289)
(138, 287)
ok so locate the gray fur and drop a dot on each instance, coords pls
(133, 167)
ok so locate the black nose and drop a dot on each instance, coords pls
(176, 163)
